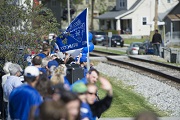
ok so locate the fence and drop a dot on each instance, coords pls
(173, 39)
(171, 54)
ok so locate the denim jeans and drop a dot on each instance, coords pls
(156, 49)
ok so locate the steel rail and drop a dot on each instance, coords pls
(118, 61)
(173, 78)
(155, 62)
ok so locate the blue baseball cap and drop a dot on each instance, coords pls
(52, 63)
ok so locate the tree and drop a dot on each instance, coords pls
(92, 13)
(21, 26)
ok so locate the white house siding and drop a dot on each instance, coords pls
(144, 10)
(147, 9)
(130, 3)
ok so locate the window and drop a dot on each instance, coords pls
(168, 1)
(122, 3)
(144, 21)
(53, 2)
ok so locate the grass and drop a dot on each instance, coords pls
(129, 41)
(110, 51)
(175, 64)
(126, 103)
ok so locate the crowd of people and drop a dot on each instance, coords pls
(42, 91)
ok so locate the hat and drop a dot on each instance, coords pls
(83, 59)
(79, 88)
(6, 67)
(14, 68)
(31, 71)
(76, 58)
(52, 63)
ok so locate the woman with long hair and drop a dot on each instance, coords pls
(72, 103)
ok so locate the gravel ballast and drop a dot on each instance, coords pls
(159, 94)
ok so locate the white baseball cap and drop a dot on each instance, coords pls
(31, 71)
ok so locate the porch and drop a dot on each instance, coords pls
(122, 26)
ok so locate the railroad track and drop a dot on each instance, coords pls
(161, 69)
(102, 53)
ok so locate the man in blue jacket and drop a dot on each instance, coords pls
(91, 77)
(22, 99)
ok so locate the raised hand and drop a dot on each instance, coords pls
(106, 85)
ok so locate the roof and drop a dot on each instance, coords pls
(161, 16)
(111, 15)
(115, 14)
(170, 12)
(174, 17)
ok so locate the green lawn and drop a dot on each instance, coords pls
(110, 51)
(126, 103)
(129, 41)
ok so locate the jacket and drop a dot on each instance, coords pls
(100, 106)
(157, 38)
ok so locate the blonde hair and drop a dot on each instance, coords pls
(58, 74)
(45, 61)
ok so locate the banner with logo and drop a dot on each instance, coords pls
(75, 36)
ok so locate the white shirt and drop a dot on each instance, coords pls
(4, 78)
(11, 83)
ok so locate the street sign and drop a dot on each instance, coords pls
(109, 34)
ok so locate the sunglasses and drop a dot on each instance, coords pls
(92, 93)
(81, 93)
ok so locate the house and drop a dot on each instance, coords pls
(134, 17)
(173, 18)
(172, 25)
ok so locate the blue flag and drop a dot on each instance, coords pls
(75, 36)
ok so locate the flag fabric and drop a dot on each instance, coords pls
(75, 36)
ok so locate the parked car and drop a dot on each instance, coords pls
(106, 42)
(146, 48)
(98, 36)
(133, 49)
(119, 40)
(116, 40)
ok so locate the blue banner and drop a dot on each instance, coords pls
(75, 36)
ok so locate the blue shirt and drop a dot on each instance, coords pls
(42, 55)
(66, 81)
(83, 80)
(85, 71)
(43, 70)
(21, 100)
(85, 111)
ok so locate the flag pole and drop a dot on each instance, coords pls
(87, 37)
(68, 9)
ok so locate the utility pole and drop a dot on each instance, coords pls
(68, 9)
(92, 15)
(156, 15)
